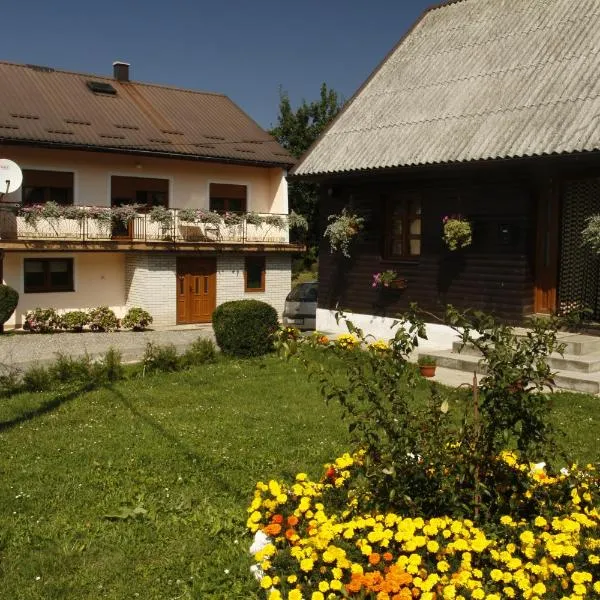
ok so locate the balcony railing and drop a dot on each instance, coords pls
(98, 224)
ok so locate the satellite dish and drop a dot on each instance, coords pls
(11, 176)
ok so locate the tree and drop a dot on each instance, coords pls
(296, 130)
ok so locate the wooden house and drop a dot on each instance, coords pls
(489, 109)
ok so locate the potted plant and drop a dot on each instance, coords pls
(187, 215)
(342, 230)
(388, 280)
(458, 232)
(162, 216)
(427, 365)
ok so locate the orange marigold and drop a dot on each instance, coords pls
(374, 558)
(292, 520)
(277, 519)
(273, 529)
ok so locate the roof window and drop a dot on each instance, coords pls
(100, 87)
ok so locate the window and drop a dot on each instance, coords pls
(139, 190)
(402, 239)
(48, 275)
(254, 274)
(228, 197)
(40, 187)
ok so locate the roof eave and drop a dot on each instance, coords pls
(146, 152)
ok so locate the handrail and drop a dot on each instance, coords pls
(142, 224)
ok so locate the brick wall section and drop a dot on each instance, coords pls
(230, 280)
(150, 283)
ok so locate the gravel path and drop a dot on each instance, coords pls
(21, 349)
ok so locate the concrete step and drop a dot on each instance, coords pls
(583, 363)
(575, 343)
(587, 382)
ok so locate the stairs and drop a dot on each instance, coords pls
(578, 369)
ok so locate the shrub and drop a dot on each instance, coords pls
(161, 358)
(202, 351)
(69, 369)
(103, 319)
(10, 380)
(112, 365)
(37, 379)
(41, 320)
(74, 320)
(9, 298)
(137, 319)
(245, 327)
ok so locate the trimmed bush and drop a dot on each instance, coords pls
(245, 327)
(103, 319)
(9, 298)
(41, 320)
(137, 319)
(75, 320)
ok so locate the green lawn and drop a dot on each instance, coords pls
(186, 448)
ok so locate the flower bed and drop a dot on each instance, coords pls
(314, 542)
(433, 505)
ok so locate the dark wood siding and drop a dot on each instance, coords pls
(494, 274)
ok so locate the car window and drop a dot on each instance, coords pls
(304, 292)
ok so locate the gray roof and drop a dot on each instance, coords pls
(475, 80)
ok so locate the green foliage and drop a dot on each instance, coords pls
(425, 360)
(441, 456)
(74, 320)
(201, 352)
(36, 379)
(10, 380)
(161, 358)
(112, 366)
(66, 369)
(245, 327)
(297, 130)
(137, 319)
(41, 320)
(103, 319)
(9, 298)
(590, 236)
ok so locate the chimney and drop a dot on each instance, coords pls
(121, 70)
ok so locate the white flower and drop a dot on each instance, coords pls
(538, 467)
(257, 572)
(261, 539)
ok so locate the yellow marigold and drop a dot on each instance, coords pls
(266, 582)
(294, 595)
(317, 596)
(307, 564)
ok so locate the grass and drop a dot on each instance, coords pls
(140, 490)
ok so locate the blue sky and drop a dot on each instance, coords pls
(245, 49)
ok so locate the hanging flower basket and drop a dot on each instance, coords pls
(458, 232)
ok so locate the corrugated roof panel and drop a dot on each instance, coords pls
(475, 79)
(141, 117)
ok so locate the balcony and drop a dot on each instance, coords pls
(128, 226)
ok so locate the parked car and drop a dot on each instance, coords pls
(301, 306)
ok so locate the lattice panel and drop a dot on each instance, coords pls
(579, 268)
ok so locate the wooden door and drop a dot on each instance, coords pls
(196, 289)
(547, 241)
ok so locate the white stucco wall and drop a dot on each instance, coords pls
(439, 337)
(189, 181)
(98, 277)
